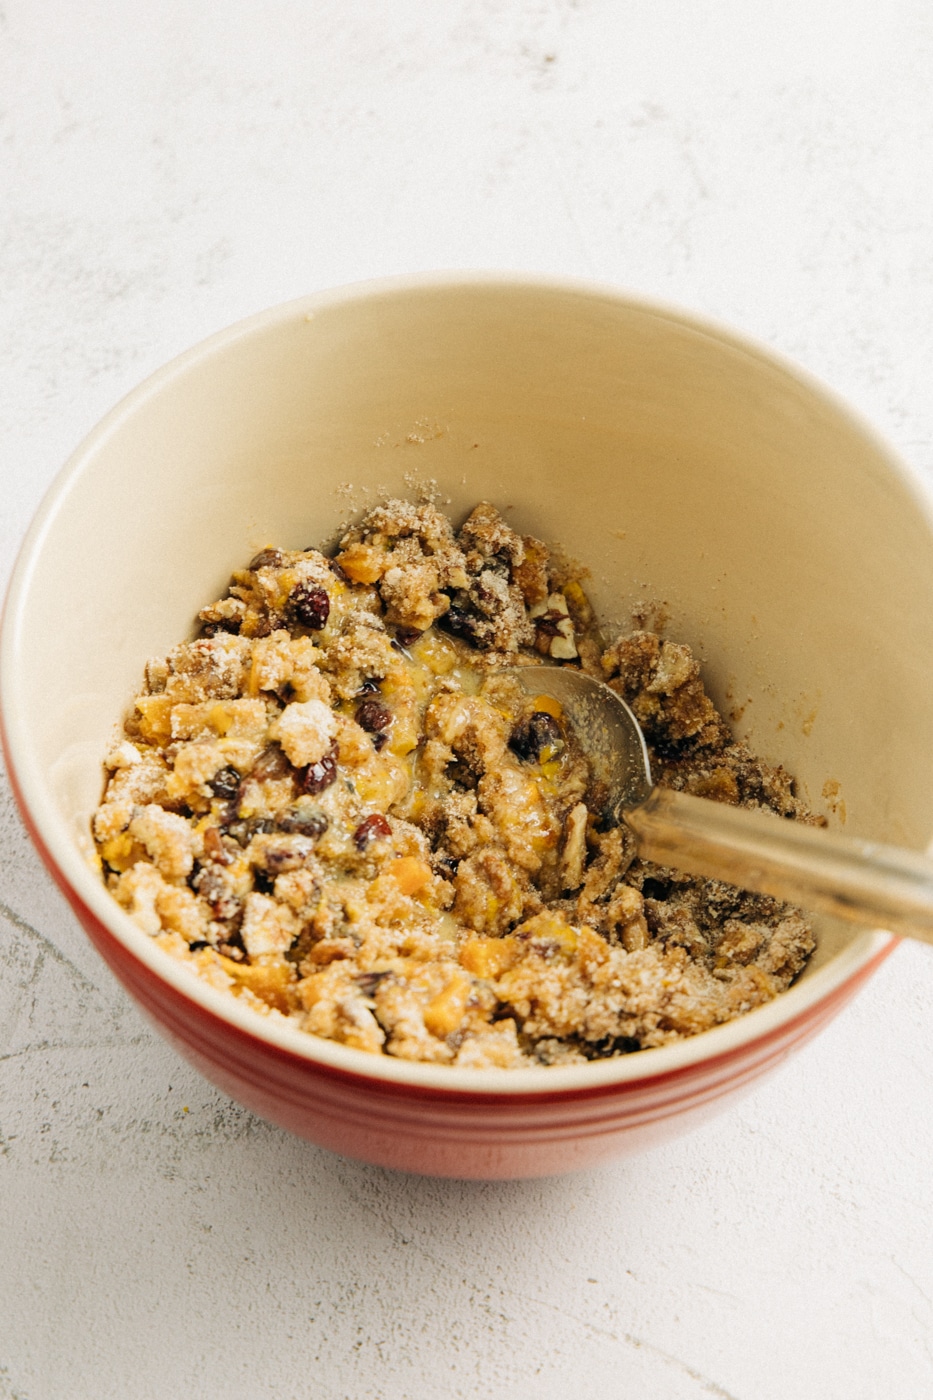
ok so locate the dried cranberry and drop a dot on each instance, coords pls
(309, 605)
(318, 776)
(225, 783)
(374, 828)
(373, 716)
(267, 559)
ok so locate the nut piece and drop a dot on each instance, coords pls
(574, 854)
(554, 634)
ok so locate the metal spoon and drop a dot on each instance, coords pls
(861, 881)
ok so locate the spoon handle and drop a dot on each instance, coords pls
(860, 881)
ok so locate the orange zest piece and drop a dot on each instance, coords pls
(445, 1012)
(548, 705)
(362, 563)
(271, 981)
(409, 873)
(489, 957)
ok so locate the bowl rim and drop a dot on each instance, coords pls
(56, 841)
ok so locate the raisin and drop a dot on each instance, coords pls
(538, 734)
(225, 784)
(302, 821)
(461, 624)
(374, 828)
(369, 687)
(407, 635)
(446, 866)
(267, 559)
(373, 716)
(309, 605)
(263, 881)
(338, 571)
(380, 741)
(197, 945)
(271, 763)
(318, 776)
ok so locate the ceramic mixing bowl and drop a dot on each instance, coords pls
(689, 469)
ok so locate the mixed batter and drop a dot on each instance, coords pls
(336, 804)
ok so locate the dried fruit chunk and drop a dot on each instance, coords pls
(225, 783)
(538, 738)
(373, 828)
(373, 716)
(309, 605)
(318, 776)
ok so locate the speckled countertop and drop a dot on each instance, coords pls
(168, 168)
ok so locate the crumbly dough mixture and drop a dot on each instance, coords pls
(335, 804)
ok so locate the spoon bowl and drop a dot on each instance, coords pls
(863, 882)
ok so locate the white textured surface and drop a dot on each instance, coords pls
(169, 167)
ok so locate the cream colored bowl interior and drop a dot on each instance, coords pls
(685, 468)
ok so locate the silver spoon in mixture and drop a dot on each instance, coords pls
(861, 881)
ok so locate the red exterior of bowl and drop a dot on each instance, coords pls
(456, 1132)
